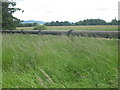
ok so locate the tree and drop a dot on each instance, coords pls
(8, 20)
(78, 23)
(40, 27)
(114, 22)
(91, 22)
(0, 15)
(27, 24)
(57, 23)
(35, 24)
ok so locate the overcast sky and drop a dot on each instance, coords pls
(67, 10)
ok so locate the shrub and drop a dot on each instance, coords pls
(40, 27)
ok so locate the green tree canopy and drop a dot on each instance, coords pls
(114, 22)
(57, 23)
(8, 20)
(40, 27)
(91, 22)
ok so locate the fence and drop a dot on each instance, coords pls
(85, 33)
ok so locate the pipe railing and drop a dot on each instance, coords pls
(85, 33)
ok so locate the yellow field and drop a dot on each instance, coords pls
(97, 27)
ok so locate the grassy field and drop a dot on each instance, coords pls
(34, 61)
(98, 28)
(0, 61)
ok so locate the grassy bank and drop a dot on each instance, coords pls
(31, 61)
(97, 27)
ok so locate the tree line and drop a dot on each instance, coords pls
(84, 22)
(66, 23)
(27, 24)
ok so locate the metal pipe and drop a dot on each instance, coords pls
(85, 33)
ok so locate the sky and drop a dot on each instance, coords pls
(67, 10)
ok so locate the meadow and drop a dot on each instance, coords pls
(46, 61)
(97, 27)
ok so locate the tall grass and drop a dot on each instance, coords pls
(34, 61)
(0, 61)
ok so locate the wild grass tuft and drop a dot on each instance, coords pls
(35, 61)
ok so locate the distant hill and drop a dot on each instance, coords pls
(33, 21)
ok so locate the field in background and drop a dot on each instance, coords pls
(97, 27)
(31, 61)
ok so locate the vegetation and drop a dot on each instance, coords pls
(40, 27)
(8, 20)
(34, 61)
(96, 22)
(91, 22)
(66, 23)
(0, 61)
(84, 22)
(27, 24)
(96, 28)
(57, 23)
(0, 15)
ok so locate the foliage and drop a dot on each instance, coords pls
(84, 22)
(57, 23)
(34, 61)
(8, 20)
(0, 15)
(114, 22)
(91, 22)
(40, 27)
(27, 24)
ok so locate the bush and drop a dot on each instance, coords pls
(40, 27)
